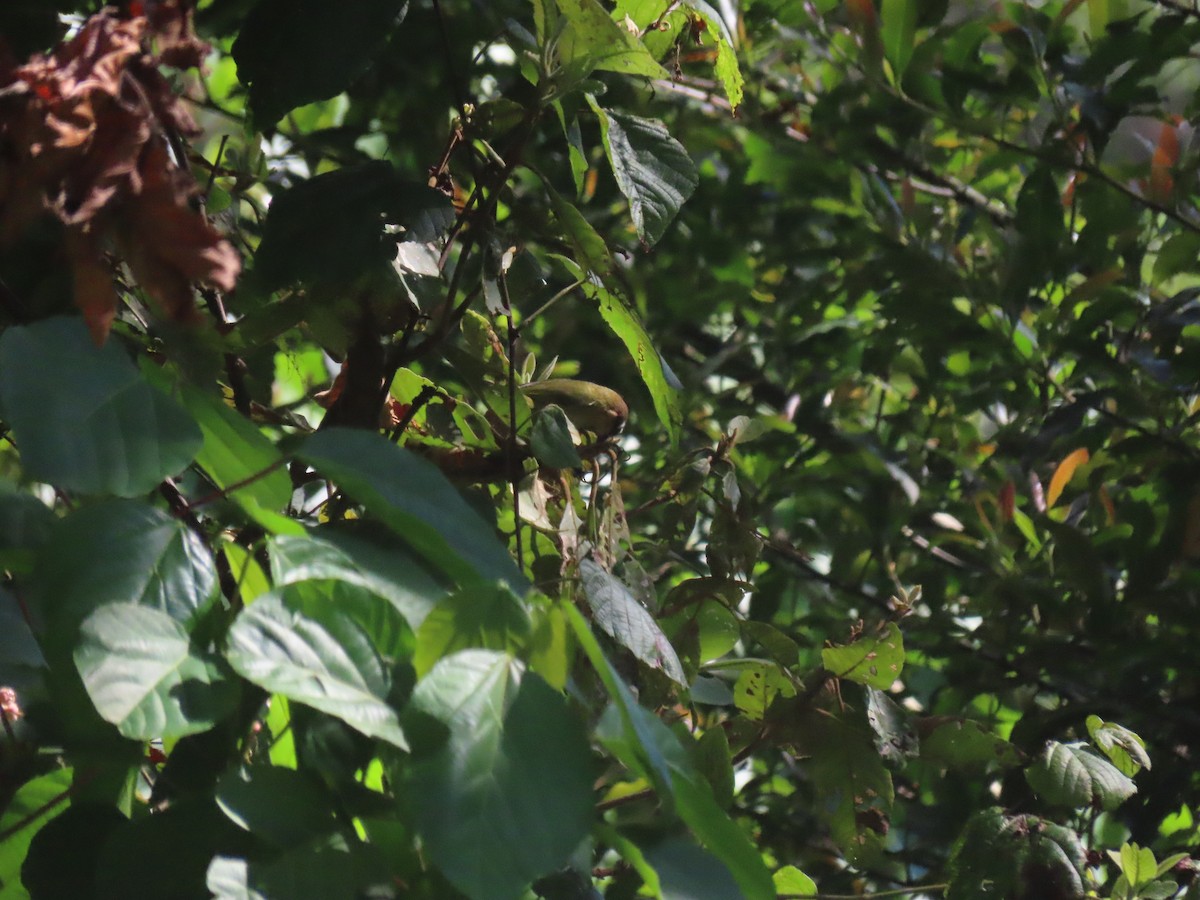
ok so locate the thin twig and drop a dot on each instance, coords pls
(81, 781)
(424, 395)
(514, 468)
(238, 485)
(545, 306)
(212, 173)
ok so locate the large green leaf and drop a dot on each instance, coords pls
(293, 52)
(320, 657)
(1075, 775)
(653, 170)
(241, 461)
(652, 751)
(627, 622)
(626, 325)
(508, 795)
(1019, 856)
(851, 780)
(122, 551)
(358, 555)
(416, 500)
(145, 677)
(591, 40)
(83, 416)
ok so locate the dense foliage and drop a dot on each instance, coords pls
(574, 449)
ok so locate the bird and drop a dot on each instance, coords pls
(590, 407)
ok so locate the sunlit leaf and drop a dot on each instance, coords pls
(327, 662)
(144, 676)
(873, 661)
(1062, 474)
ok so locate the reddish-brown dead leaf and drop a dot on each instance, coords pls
(83, 136)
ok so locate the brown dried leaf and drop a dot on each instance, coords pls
(83, 135)
(167, 244)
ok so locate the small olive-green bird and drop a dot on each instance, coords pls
(590, 407)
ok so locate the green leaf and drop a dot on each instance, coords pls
(643, 743)
(144, 676)
(292, 53)
(852, 783)
(84, 417)
(759, 684)
(726, 66)
(899, 28)
(359, 555)
(591, 40)
(508, 795)
(1002, 856)
(653, 170)
(282, 806)
(330, 229)
(25, 524)
(482, 616)
(1075, 775)
(790, 880)
(326, 868)
(714, 761)
(551, 652)
(873, 661)
(633, 855)
(550, 439)
(591, 253)
(626, 621)
(414, 498)
(34, 804)
(321, 658)
(895, 737)
(241, 461)
(122, 551)
(961, 743)
(626, 325)
(1125, 748)
(1138, 865)
(687, 871)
